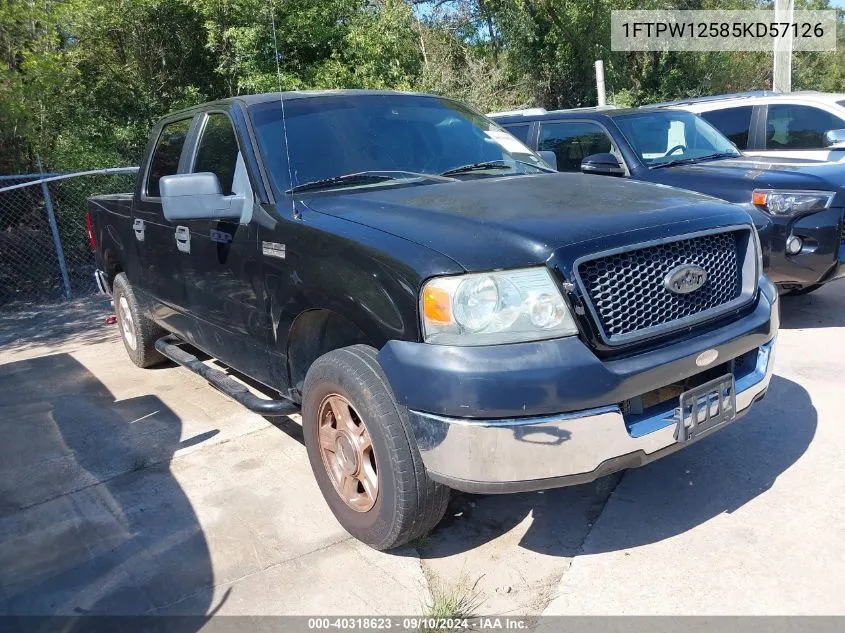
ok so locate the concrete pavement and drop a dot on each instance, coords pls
(749, 521)
(127, 491)
(146, 491)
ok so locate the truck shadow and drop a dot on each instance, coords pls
(823, 308)
(663, 499)
(92, 521)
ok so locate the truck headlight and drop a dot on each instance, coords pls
(492, 308)
(785, 203)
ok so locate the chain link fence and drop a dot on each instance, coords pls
(45, 254)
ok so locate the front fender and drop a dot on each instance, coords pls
(371, 278)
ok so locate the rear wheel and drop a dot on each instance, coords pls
(363, 452)
(138, 331)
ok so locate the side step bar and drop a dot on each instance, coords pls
(168, 346)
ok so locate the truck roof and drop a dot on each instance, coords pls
(267, 97)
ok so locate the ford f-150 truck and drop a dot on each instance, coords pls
(446, 310)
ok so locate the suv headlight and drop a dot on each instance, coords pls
(785, 203)
(492, 308)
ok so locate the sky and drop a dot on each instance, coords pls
(838, 3)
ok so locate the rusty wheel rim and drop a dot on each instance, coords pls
(347, 452)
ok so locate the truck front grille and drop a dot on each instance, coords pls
(627, 292)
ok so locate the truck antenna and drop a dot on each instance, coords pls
(272, 6)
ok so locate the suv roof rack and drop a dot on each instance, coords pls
(523, 112)
(536, 111)
(588, 109)
(734, 95)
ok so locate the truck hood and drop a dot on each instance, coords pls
(492, 223)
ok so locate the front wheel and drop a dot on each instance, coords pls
(363, 452)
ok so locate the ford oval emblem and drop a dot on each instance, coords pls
(706, 358)
(685, 279)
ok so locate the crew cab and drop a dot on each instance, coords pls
(797, 205)
(444, 309)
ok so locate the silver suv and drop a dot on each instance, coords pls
(808, 125)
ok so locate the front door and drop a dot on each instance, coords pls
(223, 268)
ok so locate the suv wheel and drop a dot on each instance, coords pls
(138, 331)
(363, 452)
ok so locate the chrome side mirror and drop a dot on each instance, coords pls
(834, 139)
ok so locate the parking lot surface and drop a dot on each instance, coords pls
(125, 490)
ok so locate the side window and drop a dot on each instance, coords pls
(218, 151)
(165, 161)
(572, 142)
(791, 126)
(519, 131)
(732, 122)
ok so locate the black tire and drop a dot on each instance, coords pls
(144, 329)
(797, 292)
(408, 504)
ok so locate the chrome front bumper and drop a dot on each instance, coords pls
(521, 454)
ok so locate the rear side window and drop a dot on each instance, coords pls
(519, 131)
(732, 122)
(218, 151)
(791, 126)
(572, 142)
(165, 161)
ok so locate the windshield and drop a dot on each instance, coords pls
(408, 136)
(672, 135)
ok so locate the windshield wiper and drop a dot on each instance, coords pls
(719, 155)
(490, 165)
(364, 178)
(482, 166)
(696, 159)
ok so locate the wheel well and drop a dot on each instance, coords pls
(112, 267)
(314, 333)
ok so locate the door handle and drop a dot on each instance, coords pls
(183, 239)
(138, 227)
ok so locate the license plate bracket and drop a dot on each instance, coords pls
(705, 407)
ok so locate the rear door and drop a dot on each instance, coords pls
(795, 130)
(223, 271)
(155, 237)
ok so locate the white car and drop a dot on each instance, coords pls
(792, 125)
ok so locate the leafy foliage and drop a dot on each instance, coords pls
(81, 81)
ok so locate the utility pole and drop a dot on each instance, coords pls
(782, 71)
(602, 97)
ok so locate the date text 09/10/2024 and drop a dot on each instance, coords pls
(416, 623)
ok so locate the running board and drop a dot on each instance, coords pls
(169, 347)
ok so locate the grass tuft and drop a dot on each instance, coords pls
(453, 601)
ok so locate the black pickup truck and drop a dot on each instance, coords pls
(797, 205)
(446, 310)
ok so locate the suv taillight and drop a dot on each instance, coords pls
(90, 227)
